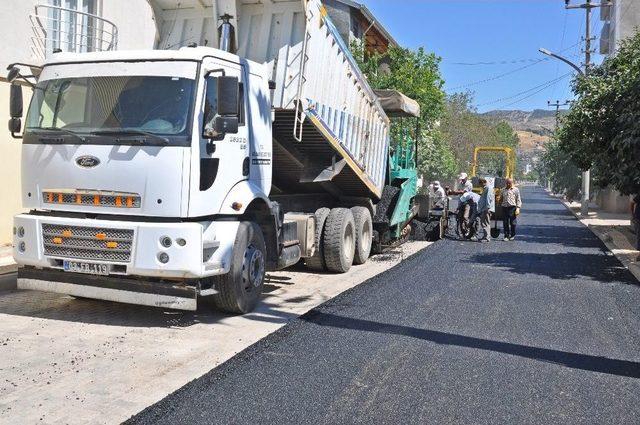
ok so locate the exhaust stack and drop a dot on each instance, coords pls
(226, 34)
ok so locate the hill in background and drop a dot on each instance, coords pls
(534, 128)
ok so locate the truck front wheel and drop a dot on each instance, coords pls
(339, 240)
(239, 290)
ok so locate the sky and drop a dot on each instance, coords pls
(491, 46)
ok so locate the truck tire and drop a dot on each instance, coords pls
(339, 240)
(316, 262)
(364, 234)
(239, 290)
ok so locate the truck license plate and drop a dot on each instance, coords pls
(88, 268)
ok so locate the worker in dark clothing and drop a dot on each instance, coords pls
(511, 204)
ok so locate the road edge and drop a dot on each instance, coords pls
(250, 350)
(608, 242)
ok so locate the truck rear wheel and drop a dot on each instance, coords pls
(239, 290)
(364, 234)
(316, 262)
(339, 240)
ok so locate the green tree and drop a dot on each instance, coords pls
(558, 168)
(416, 74)
(602, 130)
(464, 129)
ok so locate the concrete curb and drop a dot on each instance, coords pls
(609, 241)
(9, 268)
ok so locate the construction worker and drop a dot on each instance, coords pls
(437, 195)
(486, 207)
(465, 185)
(511, 204)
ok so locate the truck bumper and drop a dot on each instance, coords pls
(206, 252)
(131, 291)
(42, 244)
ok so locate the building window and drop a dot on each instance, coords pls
(71, 27)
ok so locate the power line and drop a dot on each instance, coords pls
(534, 93)
(513, 71)
(564, 33)
(546, 84)
(504, 62)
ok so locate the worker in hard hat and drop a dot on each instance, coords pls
(437, 195)
(465, 185)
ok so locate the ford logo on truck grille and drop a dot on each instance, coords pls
(87, 161)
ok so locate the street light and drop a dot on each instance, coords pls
(565, 60)
(586, 175)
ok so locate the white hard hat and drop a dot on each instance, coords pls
(436, 183)
(463, 176)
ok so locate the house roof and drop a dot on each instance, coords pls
(371, 18)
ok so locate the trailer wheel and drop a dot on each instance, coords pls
(239, 290)
(339, 240)
(316, 262)
(364, 234)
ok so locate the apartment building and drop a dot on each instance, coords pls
(621, 20)
(30, 31)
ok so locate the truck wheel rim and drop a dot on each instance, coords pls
(348, 242)
(253, 268)
(366, 236)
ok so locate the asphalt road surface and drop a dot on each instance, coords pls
(545, 329)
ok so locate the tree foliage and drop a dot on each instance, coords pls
(602, 130)
(416, 74)
(464, 129)
(558, 168)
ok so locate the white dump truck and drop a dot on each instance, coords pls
(164, 177)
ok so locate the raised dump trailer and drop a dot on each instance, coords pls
(326, 115)
(163, 176)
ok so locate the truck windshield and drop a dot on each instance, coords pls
(121, 105)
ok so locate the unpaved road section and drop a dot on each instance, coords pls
(64, 360)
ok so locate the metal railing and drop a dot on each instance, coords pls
(70, 30)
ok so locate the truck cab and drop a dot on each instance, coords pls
(139, 164)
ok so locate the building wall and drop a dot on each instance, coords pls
(134, 19)
(621, 21)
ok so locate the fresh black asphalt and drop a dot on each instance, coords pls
(545, 329)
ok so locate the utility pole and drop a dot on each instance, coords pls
(587, 6)
(557, 105)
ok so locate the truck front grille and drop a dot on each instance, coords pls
(94, 198)
(87, 243)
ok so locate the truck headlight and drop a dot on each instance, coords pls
(163, 257)
(20, 231)
(22, 247)
(181, 241)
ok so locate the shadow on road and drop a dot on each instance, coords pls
(563, 358)
(51, 306)
(572, 237)
(562, 266)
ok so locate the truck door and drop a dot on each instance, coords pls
(223, 161)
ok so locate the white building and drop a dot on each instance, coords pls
(31, 30)
(621, 20)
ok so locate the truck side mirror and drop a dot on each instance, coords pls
(15, 110)
(14, 72)
(15, 101)
(227, 116)
(228, 96)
